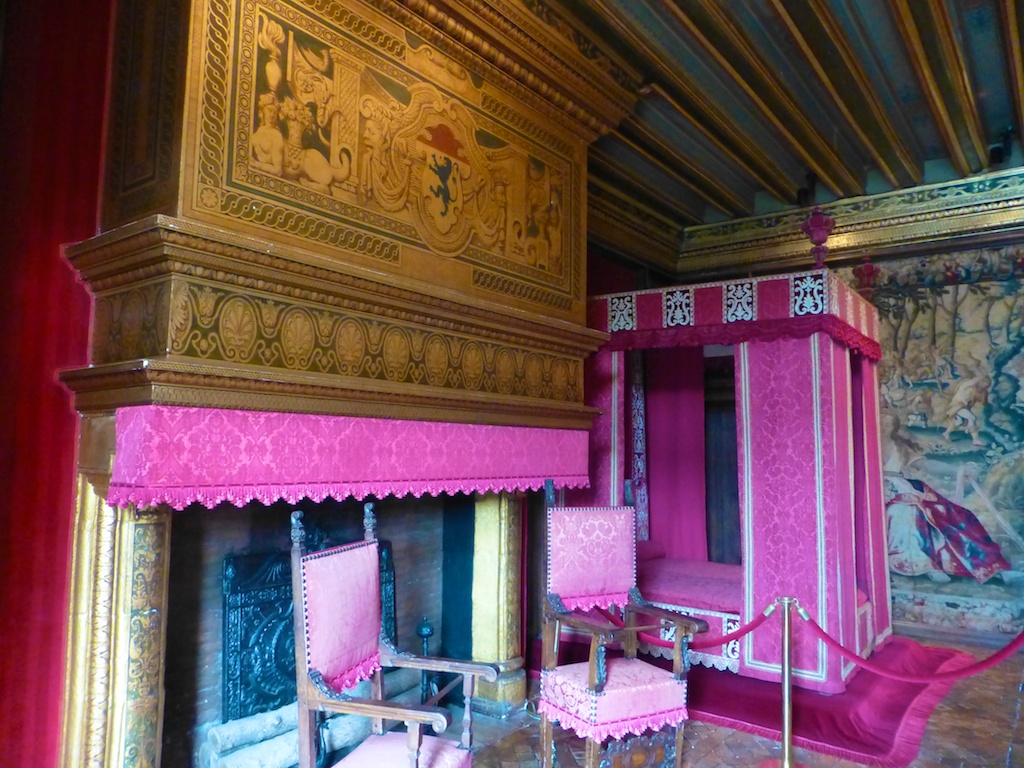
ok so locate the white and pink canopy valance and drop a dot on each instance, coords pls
(179, 456)
(794, 305)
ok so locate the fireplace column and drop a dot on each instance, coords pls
(497, 603)
(113, 698)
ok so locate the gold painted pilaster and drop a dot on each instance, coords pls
(113, 699)
(497, 604)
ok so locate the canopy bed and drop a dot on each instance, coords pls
(812, 519)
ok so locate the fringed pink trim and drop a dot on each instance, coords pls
(586, 602)
(915, 720)
(617, 729)
(362, 671)
(239, 496)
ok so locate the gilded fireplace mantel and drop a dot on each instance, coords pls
(187, 314)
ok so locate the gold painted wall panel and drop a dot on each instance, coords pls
(334, 128)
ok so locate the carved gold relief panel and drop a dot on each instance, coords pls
(334, 127)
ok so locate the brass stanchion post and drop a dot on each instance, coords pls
(787, 689)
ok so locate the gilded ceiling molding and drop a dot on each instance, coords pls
(637, 181)
(930, 219)
(572, 61)
(553, 24)
(725, 136)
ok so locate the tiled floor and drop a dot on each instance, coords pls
(978, 725)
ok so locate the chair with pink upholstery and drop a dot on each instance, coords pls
(338, 643)
(592, 564)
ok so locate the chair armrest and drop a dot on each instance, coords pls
(436, 717)
(390, 656)
(327, 698)
(686, 624)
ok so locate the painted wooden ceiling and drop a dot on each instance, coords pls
(738, 108)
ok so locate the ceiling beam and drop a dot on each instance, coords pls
(695, 178)
(717, 34)
(676, 86)
(942, 72)
(610, 169)
(1013, 21)
(827, 50)
(755, 164)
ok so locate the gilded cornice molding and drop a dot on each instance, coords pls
(624, 227)
(103, 388)
(985, 209)
(441, 29)
(163, 245)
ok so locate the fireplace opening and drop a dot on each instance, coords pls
(229, 567)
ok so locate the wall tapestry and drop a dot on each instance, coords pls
(952, 386)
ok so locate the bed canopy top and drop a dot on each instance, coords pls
(730, 312)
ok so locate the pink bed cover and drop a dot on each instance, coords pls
(692, 584)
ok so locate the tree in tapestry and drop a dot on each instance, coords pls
(952, 386)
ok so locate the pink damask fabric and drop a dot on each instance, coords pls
(637, 697)
(341, 609)
(178, 456)
(392, 749)
(692, 584)
(591, 555)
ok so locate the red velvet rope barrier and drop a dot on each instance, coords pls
(956, 674)
(695, 643)
(698, 643)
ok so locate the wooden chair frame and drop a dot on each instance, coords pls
(314, 695)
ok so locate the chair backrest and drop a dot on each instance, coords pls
(591, 555)
(341, 612)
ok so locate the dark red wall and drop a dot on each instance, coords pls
(52, 86)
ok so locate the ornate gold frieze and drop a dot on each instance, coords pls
(986, 208)
(439, 144)
(357, 136)
(209, 323)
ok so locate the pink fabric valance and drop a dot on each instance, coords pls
(179, 456)
(734, 311)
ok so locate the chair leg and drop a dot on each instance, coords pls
(307, 737)
(680, 744)
(547, 744)
(593, 754)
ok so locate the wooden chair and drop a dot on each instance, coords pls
(338, 643)
(592, 564)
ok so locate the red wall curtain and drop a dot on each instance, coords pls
(52, 86)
